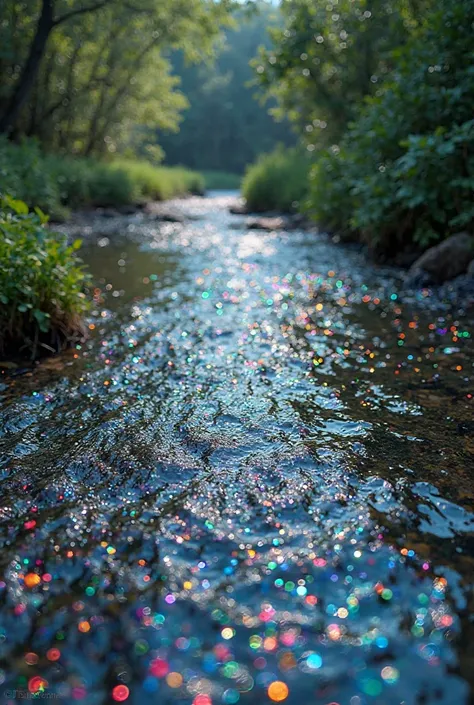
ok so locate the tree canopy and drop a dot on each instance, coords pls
(381, 93)
(82, 75)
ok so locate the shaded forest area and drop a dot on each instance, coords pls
(226, 127)
(141, 79)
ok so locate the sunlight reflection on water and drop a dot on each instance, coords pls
(221, 499)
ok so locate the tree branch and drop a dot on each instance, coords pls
(80, 11)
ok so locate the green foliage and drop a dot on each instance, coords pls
(277, 181)
(328, 56)
(88, 183)
(23, 173)
(405, 169)
(225, 128)
(330, 201)
(221, 180)
(57, 183)
(159, 183)
(42, 300)
(102, 81)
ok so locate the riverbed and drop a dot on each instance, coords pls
(252, 484)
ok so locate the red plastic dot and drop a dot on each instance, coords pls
(120, 693)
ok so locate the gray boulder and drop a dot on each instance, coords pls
(442, 262)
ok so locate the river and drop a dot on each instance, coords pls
(252, 484)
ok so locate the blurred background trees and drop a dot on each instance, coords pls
(90, 77)
(381, 95)
(226, 126)
(377, 94)
(98, 77)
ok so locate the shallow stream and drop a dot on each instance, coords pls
(253, 484)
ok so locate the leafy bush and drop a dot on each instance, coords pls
(277, 181)
(405, 169)
(158, 183)
(108, 185)
(87, 182)
(330, 202)
(42, 300)
(23, 174)
(56, 183)
(84, 183)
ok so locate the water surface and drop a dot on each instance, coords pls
(253, 483)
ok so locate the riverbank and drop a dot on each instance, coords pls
(59, 184)
(447, 263)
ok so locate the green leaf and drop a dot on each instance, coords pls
(16, 205)
(42, 319)
(42, 216)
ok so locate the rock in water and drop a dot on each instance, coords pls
(442, 262)
(267, 223)
(238, 209)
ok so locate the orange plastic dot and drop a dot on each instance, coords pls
(32, 580)
(174, 679)
(53, 654)
(37, 684)
(278, 691)
(270, 643)
(84, 627)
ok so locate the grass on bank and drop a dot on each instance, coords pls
(42, 282)
(57, 183)
(278, 181)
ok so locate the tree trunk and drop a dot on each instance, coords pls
(28, 75)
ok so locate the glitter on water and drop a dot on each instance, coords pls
(251, 485)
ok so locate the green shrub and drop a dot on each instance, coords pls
(56, 183)
(158, 183)
(277, 181)
(72, 177)
(407, 163)
(23, 174)
(88, 183)
(42, 300)
(109, 185)
(330, 202)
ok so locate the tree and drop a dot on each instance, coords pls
(86, 85)
(402, 175)
(47, 21)
(329, 56)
